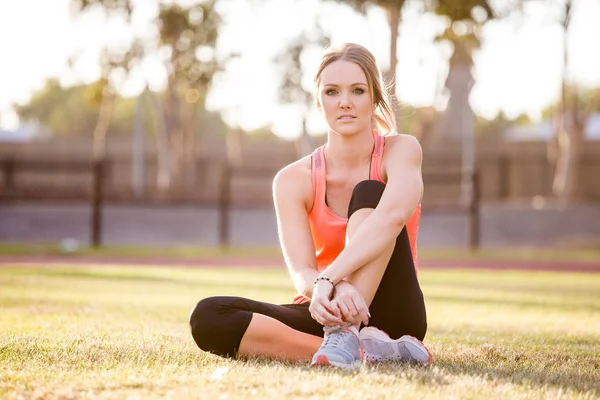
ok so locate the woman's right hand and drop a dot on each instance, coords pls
(321, 308)
(351, 304)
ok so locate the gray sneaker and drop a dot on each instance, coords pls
(340, 348)
(378, 346)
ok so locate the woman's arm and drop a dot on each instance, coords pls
(403, 192)
(292, 193)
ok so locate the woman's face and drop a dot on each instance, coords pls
(344, 98)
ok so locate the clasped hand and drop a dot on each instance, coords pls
(346, 305)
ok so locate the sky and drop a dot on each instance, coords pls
(517, 70)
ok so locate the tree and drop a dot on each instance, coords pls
(71, 111)
(189, 36)
(494, 128)
(571, 116)
(393, 9)
(454, 10)
(114, 62)
(291, 89)
(463, 22)
(586, 98)
(464, 18)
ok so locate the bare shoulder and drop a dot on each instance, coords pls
(295, 172)
(402, 161)
(404, 147)
(294, 180)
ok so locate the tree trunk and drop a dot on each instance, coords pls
(104, 117)
(569, 131)
(565, 183)
(190, 143)
(138, 150)
(569, 144)
(175, 134)
(394, 14)
(233, 146)
(163, 153)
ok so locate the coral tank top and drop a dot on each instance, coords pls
(329, 229)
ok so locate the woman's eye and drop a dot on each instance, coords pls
(330, 92)
(359, 91)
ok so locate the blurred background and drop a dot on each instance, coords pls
(163, 123)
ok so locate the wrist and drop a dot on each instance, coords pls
(323, 278)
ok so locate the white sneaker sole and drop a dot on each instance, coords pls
(323, 361)
(417, 350)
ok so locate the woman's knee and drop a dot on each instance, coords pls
(205, 321)
(217, 326)
(366, 194)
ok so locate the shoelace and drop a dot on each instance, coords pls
(335, 339)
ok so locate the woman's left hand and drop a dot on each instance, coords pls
(351, 304)
(321, 308)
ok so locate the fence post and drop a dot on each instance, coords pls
(503, 176)
(9, 175)
(474, 231)
(224, 205)
(98, 167)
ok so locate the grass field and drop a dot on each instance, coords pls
(590, 254)
(121, 332)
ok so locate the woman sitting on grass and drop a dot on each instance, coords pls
(347, 217)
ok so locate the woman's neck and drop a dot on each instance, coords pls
(348, 152)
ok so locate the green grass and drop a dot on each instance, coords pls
(121, 332)
(591, 254)
(15, 249)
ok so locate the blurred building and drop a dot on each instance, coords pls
(544, 131)
(23, 134)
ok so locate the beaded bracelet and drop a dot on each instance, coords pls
(323, 278)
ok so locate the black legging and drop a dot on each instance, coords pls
(219, 323)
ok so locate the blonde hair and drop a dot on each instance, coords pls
(383, 112)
